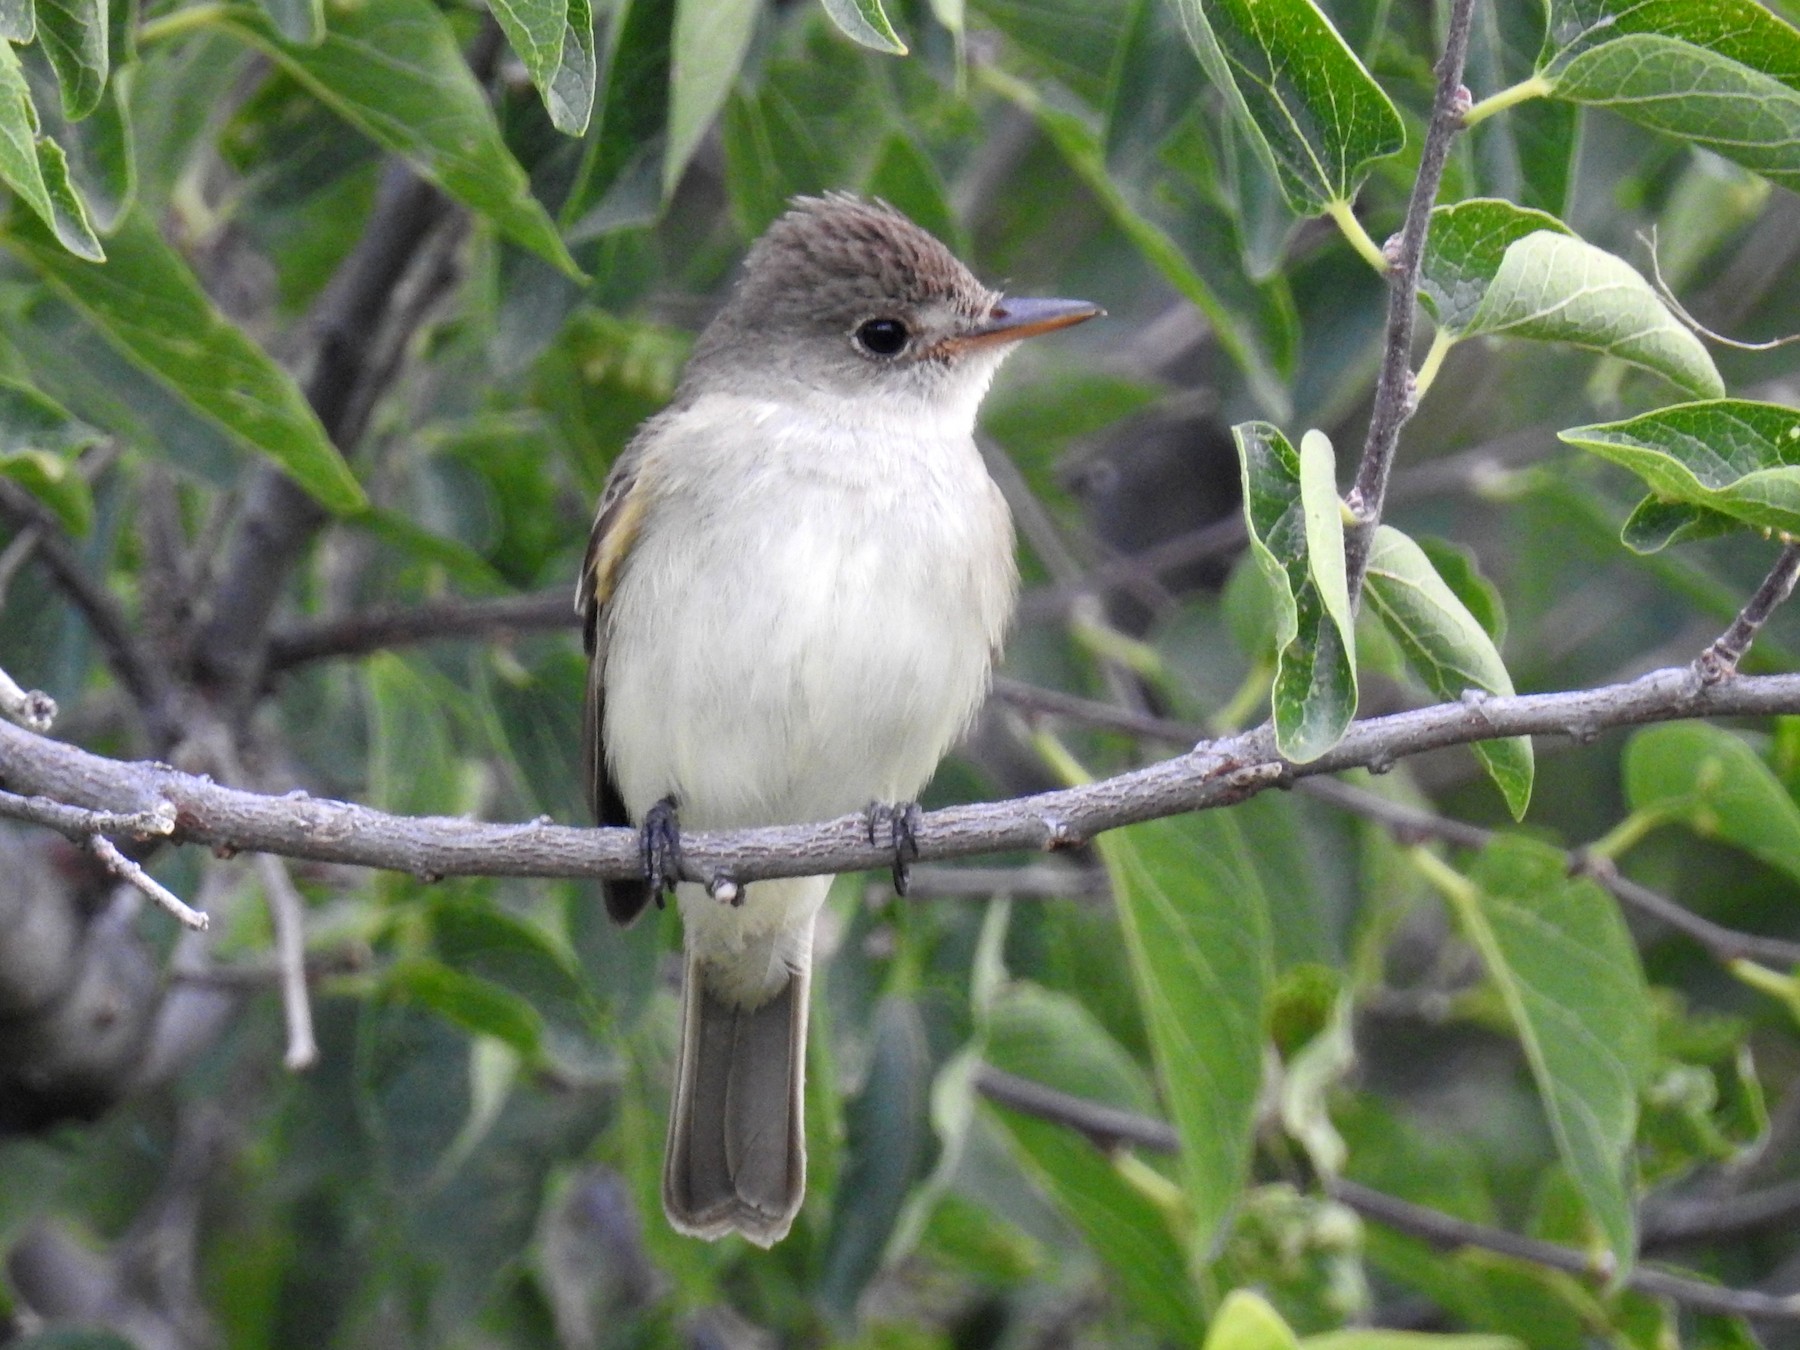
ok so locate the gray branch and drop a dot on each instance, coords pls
(1216, 773)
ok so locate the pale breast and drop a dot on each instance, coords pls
(807, 620)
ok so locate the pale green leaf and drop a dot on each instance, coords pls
(1383, 1338)
(1310, 107)
(1447, 647)
(865, 22)
(1463, 253)
(1558, 950)
(18, 21)
(555, 40)
(619, 184)
(393, 69)
(413, 768)
(39, 444)
(73, 34)
(706, 49)
(475, 1004)
(1197, 933)
(149, 305)
(35, 168)
(1654, 524)
(1315, 679)
(1724, 74)
(1246, 1321)
(1711, 781)
(301, 21)
(1556, 288)
(1731, 456)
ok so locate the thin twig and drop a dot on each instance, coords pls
(31, 708)
(287, 910)
(1394, 397)
(1446, 1230)
(1720, 661)
(76, 824)
(1695, 1219)
(378, 629)
(127, 871)
(1217, 773)
(1110, 1127)
(1680, 312)
(131, 665)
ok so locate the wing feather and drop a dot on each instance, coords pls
(617, 521)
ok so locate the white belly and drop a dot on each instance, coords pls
(796, 650)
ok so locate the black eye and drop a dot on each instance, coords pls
(883, 337)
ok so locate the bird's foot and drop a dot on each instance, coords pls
(895, 826)
(660, 842)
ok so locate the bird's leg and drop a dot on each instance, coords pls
(895, 825)
(660, 841)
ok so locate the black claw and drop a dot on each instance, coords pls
(899, 823)
(660, 840)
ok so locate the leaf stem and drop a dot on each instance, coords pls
(1352, 229)
(1245, 702)
(1782, 988)
(180, 23)
(1441, 343)
(1625, 836)
(1522, 92)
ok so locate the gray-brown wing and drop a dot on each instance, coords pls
(616, 523)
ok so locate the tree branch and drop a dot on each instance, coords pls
(141, 677)
(1109, 1127)
(1394, 398)
(1215, 774)
(377, 629)
(1720, 661)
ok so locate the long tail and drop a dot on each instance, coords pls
(736, 1156)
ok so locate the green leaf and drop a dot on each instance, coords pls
(887, 1150)
(1725, 74)
(1048, 1037)
(413, 766)
(471, 1002)
(73, 34)
(555, 40)
(18, 21)
(392, 69)
(1310, 107)
(864, 22)
(35, 168)
(1246, 1321)
(905, 178)
(1447, 648)
(1122, 1224)
(618, 184)
(1197, 932)
(1384, 1339)
(1291, 507)
(1654, 524)
(1457, 565)
(1563, 961)
(149, 305)
(1731, 456)
(39, 444)
(1463, 253)
(1712, 782)
(301, 21)
(705, 51)
(1553, 287)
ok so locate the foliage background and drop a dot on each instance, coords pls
(473, 1158)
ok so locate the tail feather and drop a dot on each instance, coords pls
(736, 1156)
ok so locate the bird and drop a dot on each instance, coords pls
(798, 581)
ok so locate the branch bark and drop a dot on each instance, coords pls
(1394, 397)
(1216, 773)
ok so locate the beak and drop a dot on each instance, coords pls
(1015, 319)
